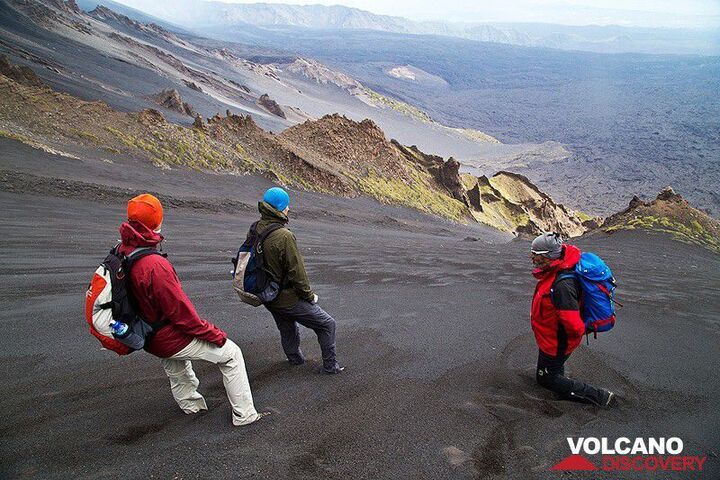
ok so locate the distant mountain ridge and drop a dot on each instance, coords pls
(199, 14)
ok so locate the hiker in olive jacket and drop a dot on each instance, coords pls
(296, 303)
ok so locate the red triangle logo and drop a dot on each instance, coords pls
(575, 462)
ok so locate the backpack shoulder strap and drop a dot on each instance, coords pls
(139, 253)
(128, 262)
(266, 233)
(565, 275)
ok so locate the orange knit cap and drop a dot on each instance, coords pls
(145, 209)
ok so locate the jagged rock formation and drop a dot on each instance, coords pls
(276, 159)
(510, 202)
(270, 105)
(446, 174)
(20, 73)
(171, 100)
(669, 213)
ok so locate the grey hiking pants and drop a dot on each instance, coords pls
(308, 315)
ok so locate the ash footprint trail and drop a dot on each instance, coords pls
(531, 422)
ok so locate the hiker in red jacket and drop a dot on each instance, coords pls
(555, 319)
(159, 297)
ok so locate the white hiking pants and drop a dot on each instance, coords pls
(229, 359)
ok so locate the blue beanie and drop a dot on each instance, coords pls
(278, 198)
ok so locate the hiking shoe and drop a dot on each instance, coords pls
(258, 416)
(296, 360)
(333, 370)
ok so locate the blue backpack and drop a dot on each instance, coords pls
(597, 300)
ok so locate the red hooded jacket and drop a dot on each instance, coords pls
(557, 324)
(159, 296)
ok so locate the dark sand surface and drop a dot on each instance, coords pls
(433, 328)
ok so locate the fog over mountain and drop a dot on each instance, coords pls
(594, 38)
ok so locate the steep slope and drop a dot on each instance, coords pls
(104, 55)
(333, 155)
(669, 213)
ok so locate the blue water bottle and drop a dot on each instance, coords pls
(118, 328)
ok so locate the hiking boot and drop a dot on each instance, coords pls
(609, 399)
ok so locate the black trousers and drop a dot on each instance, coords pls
(550, 374)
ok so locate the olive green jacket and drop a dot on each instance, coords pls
(283, 260)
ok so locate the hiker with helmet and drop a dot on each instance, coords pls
(556, 320)
(183, 337)
(293, 301)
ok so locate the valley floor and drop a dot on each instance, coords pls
(433, 329)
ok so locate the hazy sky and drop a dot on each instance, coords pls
(650, 13)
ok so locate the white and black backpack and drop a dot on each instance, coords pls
(107, 299)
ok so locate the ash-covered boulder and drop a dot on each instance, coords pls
(270, 105)
(172, 100)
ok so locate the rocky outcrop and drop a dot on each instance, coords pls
(19, 73)
(344, 145)
(199, 123)
(669, 212)
(171, 100)
(72, 5)
(334, 154)
(151, 118)
(512, 203)
(449, 176)
(270, 105)
(445, 173)
(192, 86)
(474, 197)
